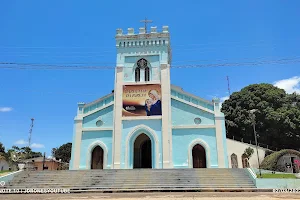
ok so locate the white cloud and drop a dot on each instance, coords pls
(5, 109)
(290, 85)
(37, 146)
(222, 99)
(21, 142)
(33, 145)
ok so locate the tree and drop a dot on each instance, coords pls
(277, 118)
(248, 152)
(2, 148)
(63, 152)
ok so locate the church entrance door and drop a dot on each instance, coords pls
(142, 152)
(199, 156)
(97, 158)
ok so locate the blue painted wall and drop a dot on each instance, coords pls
(274, 183)
(130, 65)
(88, 138)
(128, 126)
(182, 138)
(183, 114)
(106, 116)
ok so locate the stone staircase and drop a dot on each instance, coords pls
(134, 179)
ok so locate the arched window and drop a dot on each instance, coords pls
(147, 74)
(234, 161)
(137, 74)
(142, 64)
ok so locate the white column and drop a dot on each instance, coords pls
(118, 105)
(77, 142)
(219, 134)
(166, 116)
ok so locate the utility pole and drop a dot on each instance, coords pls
(30, 132)
(228, 85)
(44, 160)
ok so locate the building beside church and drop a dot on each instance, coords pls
(146, 122)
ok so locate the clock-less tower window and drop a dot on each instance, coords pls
(142, 67)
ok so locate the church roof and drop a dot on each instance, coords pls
(177, 88)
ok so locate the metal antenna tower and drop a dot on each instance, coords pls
(30, 132)
(228, 85)
(146, 21)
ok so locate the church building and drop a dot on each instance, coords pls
(146, 122)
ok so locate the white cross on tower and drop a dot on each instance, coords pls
(146, 21)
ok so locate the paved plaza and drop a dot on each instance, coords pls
(154, 196)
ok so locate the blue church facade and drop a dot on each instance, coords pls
(146, 122)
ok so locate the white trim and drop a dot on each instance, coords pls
(140, 129)
(89, 154)
(1, 177)
(180, 90)
(207, 152)
(191, 104)
(98, 129)
(252, 173)
(193, 126)
(98, 109)
(141, 117)
(98, 100)
(142, 83)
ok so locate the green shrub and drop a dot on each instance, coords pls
(270, 162)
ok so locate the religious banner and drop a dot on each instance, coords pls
(141, 100)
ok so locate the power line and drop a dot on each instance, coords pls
(29, 66)
(176, 45)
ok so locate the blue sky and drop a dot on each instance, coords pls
(66, 32)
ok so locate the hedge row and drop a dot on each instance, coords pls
(270, 162)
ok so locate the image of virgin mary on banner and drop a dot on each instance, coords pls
(141, 100)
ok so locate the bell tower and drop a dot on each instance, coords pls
(143, 59)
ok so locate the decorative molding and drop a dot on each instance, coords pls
(97, 129)
(142, 83)
(78, 118)
(98, 100)
(192, 104)
(164, 66)
(89, 154)
(193, 126)
(141, 117)
(133, 134)
(98, 109)
(207, 152)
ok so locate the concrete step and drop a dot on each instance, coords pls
(134, 178)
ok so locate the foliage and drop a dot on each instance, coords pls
(270, 162)
(277, 119)
(63, 152)
(24, 153)
(268, 152)
(2, 148)
(2, 156)
(248, 152)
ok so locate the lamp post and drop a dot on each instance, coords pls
(255, 137)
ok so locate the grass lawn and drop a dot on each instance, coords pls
(277, 176)
(4, 172)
